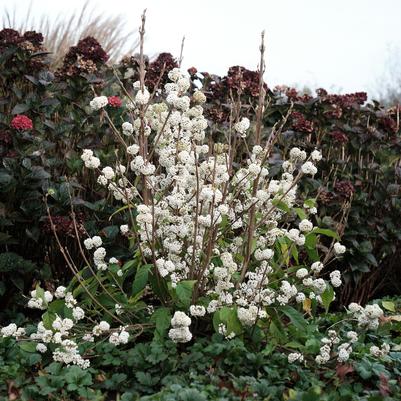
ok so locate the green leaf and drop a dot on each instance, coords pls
(141, 278)
(327, 232)
(20, 108)
(301, 213)
(228, 317)
(28, 346)
(39, 173)
(129, 264)
(294, 344)
(40, 293)
(277, 332)
(57, 307)
(111, 232)
(328, 297)
(296, 317)
(310, 241)
(162, 319)
(48, 318)
(388, 305)
(145, 378)
(371, 258)
(184, 291)
(281, 205)
(310, 203)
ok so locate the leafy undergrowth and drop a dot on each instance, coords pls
(208, 369)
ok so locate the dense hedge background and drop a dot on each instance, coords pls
(358, 188)
(358, 181)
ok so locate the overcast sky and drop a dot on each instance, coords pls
(337, 44)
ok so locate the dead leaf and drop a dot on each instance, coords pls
(13, 393)
(343, 369)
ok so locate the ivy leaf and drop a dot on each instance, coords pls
(144, 378)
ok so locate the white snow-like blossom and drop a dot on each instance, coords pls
(78, 313)
(180, 332)
(197, 310)
(127, 128)
(316, 156)
(294, 357)
(60, 292)
(305, 226)
(309, 168)
(335, 278)
(98, 102)
(180, 319)
(339, 249)
(142, 97)
(40, 347)
(242, 126)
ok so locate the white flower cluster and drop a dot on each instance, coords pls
(89, 160)
(180, 328)
(62, 331)
(368, 316)
(40, 300)
(242, 126)
(294, 357)
(335, 278)
(12, 331)
(343, 349)
(339, 249)
(99, 253)
(60, 292)
(248, 316)
(197, 310)
(98, 102)
(379, 352)
(119, 337)
(68, 353)
(127, 128)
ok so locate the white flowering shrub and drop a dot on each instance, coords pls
(215, 239)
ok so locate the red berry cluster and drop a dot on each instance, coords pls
(114, 101)
(21, 123)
